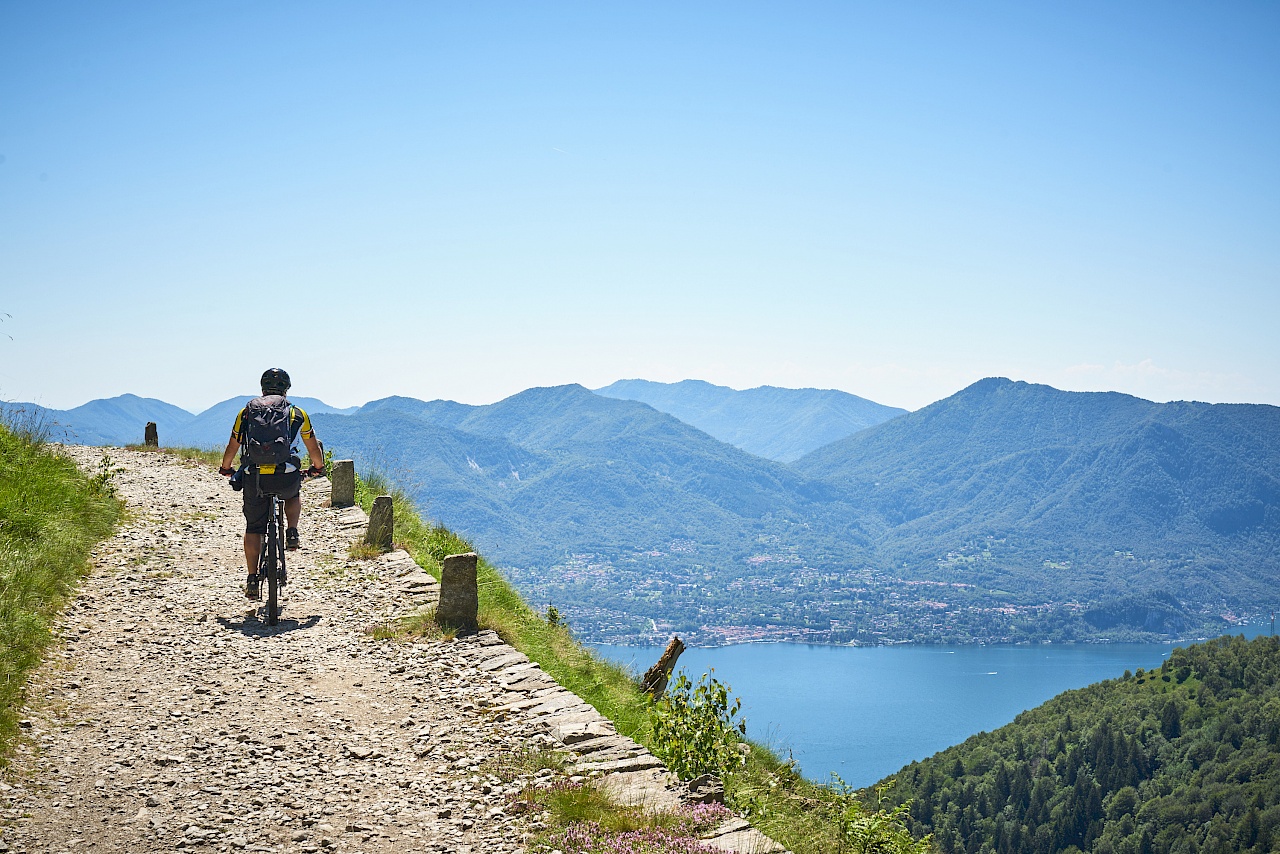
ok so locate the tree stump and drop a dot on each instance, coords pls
(655, 678)
(381, 523)
(342, 483)
(459, 606)
(151, 436)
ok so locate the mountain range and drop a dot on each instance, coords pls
(1006, 512)
(122, 420)
(780, 424)
(1090, 483)
(556, 470)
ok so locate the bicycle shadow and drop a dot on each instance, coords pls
(256, 624)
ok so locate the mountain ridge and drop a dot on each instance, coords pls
(621, 448)
(781, 424)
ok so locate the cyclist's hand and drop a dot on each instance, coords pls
(226, 472)
(315, 471)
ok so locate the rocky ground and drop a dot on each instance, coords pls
(170, 716)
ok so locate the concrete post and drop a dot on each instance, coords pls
(381, 523)
(151, 436)
(342, 483)
(459, 594)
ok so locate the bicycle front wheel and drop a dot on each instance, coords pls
(274, 556)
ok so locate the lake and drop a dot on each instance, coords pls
(864, 712)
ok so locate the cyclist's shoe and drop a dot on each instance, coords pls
(251, 588)
(291, 539)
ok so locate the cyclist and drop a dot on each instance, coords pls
(283, 480)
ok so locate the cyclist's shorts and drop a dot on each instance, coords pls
(256, 510)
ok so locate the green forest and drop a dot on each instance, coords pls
(1183, 759)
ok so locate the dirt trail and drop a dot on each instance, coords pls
(171, 717)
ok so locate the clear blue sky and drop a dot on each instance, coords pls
(463, 200)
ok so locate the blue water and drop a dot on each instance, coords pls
(865, 712)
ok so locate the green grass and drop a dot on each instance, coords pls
(202, 455)
(51, 516)
(583, 814)
(805, 817)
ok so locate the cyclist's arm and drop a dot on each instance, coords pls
(229, 455)
(313, 449)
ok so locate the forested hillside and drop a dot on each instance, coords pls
(1020, 487)
(617, 513)
(1183, 759)
(585, 472)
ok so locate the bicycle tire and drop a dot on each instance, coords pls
(282, 551)
(273, 563)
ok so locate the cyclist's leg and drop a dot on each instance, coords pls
(252, 551)
(291, 498)
(293, 510)
(256, 510)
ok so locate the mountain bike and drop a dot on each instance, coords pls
(272, 569)
(271, 560)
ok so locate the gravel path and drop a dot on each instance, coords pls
(172, 717)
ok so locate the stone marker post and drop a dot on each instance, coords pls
(381, 523)
(342, 483)
(151, 436)
(459, 594)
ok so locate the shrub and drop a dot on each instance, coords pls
(694, 730)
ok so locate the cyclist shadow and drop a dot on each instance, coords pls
(254, 624)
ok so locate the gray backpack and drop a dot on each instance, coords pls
(267, 436)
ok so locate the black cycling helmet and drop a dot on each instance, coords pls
(275, 381)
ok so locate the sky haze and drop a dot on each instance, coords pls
(460, 201)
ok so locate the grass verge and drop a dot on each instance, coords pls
(51, 516)
(575, 815)
(605, 686)
(805, 817)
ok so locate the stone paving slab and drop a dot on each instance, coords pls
(499, 661)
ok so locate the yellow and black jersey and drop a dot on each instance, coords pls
(299, 425)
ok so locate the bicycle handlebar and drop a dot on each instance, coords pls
(307, 474)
